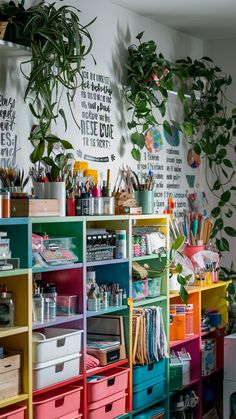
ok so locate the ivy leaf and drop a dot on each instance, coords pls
(215, 212)
(225, 197)
(230, 231)
(179, 268)
(222, 245)
(167, 127)
(135, 153)
(178, 243)
(231, 288)
(183, 294)
(228, 163)
(219, 223)
(131, 124)
(140, 35)
(197, 149)
(66, 144)
(138, 139)
(216, 185)
(229, 213)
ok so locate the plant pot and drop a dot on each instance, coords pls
(3, 27)
(145, 199)
(39, 189)
(56, 190)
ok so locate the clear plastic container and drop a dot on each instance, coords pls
(60, 250)
(139, 289)
(154, 286)
(66, 305)
(6, 309)
(50, 295)
(38, 308)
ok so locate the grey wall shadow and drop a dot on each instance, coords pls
(117, 68)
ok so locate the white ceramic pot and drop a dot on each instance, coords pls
(57, 190)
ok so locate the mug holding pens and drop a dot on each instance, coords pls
(144, 192)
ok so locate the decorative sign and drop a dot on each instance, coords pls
(96, 124)
(7, 127)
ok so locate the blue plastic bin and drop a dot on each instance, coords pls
(148, 392)
(153, 413)
(149, 371)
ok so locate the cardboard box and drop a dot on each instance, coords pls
(10, 382)
(34, 207)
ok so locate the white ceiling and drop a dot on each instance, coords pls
(206, 19)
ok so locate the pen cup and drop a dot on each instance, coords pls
(145, 199)
(189, 250)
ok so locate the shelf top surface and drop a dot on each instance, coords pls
(14, 272)
(11, 331)
(10, 49)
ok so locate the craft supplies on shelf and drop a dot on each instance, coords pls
(103, 296)
(148, 240)
(101, 245)
(50, 251)
(6, 307)
(177, 322)
(66, 305)
(208, 356)
(106, 339)
(147, 346)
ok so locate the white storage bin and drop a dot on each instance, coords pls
(51, 372)
(55, 343)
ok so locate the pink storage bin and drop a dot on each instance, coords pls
(57, 403)
(13, 413)
(114, 381)
(108, 408)
(73, 415)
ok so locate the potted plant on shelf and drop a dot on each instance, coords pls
(9, 13)
(59, 44)
(149, 77)
(210, 128)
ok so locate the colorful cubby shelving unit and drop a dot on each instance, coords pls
(73, 277)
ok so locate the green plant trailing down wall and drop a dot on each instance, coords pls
(208, 125)
(148, 73)
(59, 44)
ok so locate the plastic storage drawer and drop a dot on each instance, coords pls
(154, 413)
(108, 408)
(52, 372)
(107, 383)
(64, 402)
(73, 415)
(148, 392)
(149, 371)
(13, 413)
(57, 343)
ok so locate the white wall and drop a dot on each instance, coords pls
(222, 52)
(114, 29)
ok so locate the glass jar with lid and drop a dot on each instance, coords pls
(6, 309)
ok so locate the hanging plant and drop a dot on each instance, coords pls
(149, 77)
(210, 127)
(59, 45)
